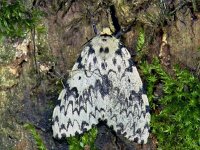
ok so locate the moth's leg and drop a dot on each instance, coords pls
(124, 30)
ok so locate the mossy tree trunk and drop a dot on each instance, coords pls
(28, 96)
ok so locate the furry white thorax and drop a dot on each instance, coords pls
(111, 43)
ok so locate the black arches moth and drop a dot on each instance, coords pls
(104, 83)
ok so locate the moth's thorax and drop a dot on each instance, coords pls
(105, 45)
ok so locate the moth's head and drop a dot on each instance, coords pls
(105, 42)
(106, 31)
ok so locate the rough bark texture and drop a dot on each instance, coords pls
(29, 97)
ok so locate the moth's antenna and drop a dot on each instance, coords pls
(123, 31)
(114, 18)
(93, 23)
(94, 27)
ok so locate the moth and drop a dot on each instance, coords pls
(104, 84)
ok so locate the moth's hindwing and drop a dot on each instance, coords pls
(104, 83)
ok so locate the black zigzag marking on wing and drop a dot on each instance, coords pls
(128, 113)
(114, 116)
(83, 124)
(72, 124)
(74, 109)
(97, 110)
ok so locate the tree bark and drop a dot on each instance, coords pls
(29, 97)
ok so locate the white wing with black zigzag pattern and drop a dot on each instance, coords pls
(104, 84)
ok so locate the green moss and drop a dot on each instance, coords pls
(175, 110)
(16, 20)
(3, 97)
(140, 44)
(6, 54)
(36, 136)
(81, 142)
(7, 80)
(176, 126)
(140, 40)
